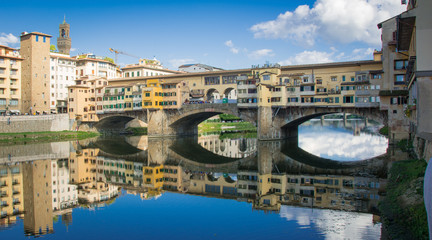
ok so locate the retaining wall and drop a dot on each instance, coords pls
(39, 123)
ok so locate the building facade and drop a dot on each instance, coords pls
(10, 80)
(145, 68)
(63, 75)
(96, 66)
(35, 75)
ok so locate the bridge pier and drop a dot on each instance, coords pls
(267, 129)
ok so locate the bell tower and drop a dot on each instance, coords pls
(64, 42)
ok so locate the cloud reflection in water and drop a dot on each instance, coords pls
(339, 143)
(333, 224)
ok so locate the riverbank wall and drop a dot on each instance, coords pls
(38, 123)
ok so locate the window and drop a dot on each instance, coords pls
(399, 78)
(400, 64)
(37, 38)
(212, 80)
(334, 78)
(266, 77)
(44, 39)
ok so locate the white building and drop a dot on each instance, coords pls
(146, 68)
(197, 67)
(63, 74)
(92, 65)
(64, 195)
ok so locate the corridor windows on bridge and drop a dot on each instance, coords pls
(212, 80)
(229, 79)
(266, 77)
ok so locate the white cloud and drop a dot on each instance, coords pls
(261, 53)
(73, 49)
(230, 44)
(309, 57)
(6, 39)
(336, 20)
(175, 63)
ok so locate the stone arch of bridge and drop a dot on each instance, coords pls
(190, 119)
(212, 94)
(376, 115)
(230, 93)
(118, 123)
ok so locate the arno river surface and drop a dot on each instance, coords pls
(324, 185)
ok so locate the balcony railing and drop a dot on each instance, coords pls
(411, 68)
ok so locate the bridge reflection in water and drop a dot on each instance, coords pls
(268, 175)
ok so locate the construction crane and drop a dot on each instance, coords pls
(117, 52)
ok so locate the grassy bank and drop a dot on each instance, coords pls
(402, 210)
(29, 137)
(222, 126)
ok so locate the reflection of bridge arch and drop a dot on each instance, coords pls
(376, 165)
(236, 148)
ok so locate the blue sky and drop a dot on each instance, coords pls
(227, 34)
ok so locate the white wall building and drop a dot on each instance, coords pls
(64, 195)
(197, 67)
(92, 65)
(146, 68)
(62, 75)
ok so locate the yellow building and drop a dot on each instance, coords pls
(35, 75)
(82, 98)
(10, 80)
(152, 95)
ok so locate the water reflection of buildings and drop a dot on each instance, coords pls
(89, 177)
(233, 148)
(11, 194)
(86, 171)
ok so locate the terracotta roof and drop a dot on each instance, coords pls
(36, 33)
(63, 56)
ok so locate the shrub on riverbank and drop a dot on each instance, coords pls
(384, 131)
(403, 211)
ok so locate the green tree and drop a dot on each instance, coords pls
(53, 48)
(109, 59)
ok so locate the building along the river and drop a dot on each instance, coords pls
(411, 34)
(62, 76)
(10, 79)
(146, 68)
(35, 76)
(343, 84)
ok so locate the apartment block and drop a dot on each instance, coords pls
(394, 91)
(96, 66)
(82, 98)
(146, 68)
(62, 68)
(10, 80)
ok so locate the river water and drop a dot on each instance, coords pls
(324, 185)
